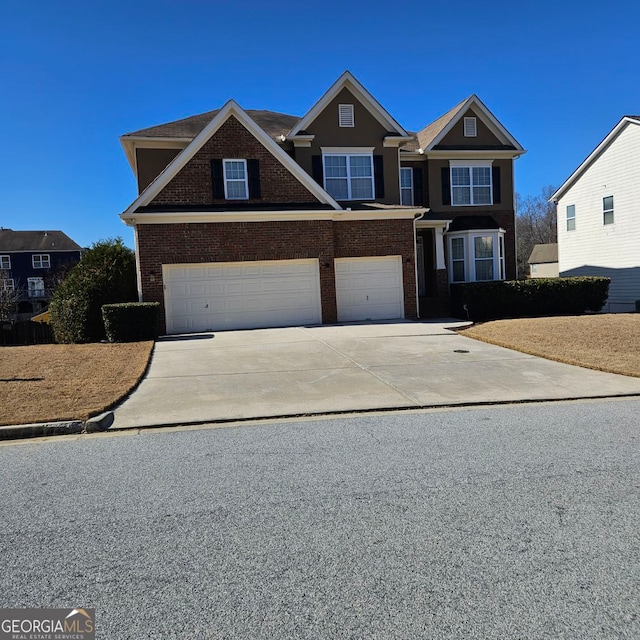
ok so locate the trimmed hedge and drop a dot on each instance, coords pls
(534, 297)
(131, 321)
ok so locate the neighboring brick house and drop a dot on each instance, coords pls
(251, 219)
(30, 264)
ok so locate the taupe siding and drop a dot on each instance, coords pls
(151, 162)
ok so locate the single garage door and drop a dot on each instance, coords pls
(241, 295)
(369, 288)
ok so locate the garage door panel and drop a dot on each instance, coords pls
(369, 288)
(242, 295)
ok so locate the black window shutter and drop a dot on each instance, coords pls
(496, 184)
(253, 174)
(316, 169)
(378, 176)
(446, 186)
(217, 179)
(418, 196)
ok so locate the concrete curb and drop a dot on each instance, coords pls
(64, 428)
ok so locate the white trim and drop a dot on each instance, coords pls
(624, 122)
(470, 186)
(172, 217)
(244, 180)
(349, 151)
(348, 177)
(470, 163)
(40, 256)
(469, 235)
(497, 154)
(359, 92)
(231, 108)
(396, 141)
(490, 121)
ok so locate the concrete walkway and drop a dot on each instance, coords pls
(292, 371)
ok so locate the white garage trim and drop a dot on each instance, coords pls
(241, 295)
(369, 288)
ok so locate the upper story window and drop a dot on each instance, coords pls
(471, 185)
(345, 115)
(406, 186)
(476, 256)
(35, 287)
(571, 217)
(40, 261)
(349, 176)
(5, 263)
(470, 128)
(236, 184)
(607, 210)
(8, 284)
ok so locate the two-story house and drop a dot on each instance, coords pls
(599, 216)
(250, 219)
(30, 263)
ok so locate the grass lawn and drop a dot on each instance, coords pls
(67, 382)
(607, 342)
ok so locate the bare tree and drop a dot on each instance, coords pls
(536, 223)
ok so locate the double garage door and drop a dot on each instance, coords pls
(277, 293)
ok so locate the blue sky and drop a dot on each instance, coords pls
(77, 75)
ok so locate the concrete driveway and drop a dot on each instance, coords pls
(306, 370)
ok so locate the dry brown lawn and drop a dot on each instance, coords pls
(607, 342)
(67, 382)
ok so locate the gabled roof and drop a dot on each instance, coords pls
(273, 123)
(231, 108)
(13, 241)
(544, 253)
(595, 154)
(348, 81)
(432, 135)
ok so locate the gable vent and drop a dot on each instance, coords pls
(470, 128)
(345, 115)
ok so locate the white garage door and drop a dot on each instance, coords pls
(241, 295)
(369, 288)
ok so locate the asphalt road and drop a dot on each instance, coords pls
(509, 522)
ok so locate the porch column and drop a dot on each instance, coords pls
(439, 242)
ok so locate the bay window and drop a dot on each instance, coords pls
(476, 255)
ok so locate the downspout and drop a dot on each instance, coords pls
(417, 217)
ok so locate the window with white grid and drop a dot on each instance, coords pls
(349, 176)
(236, 185)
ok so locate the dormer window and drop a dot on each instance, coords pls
(345, 115)
(470, 128)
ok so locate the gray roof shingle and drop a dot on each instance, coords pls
(544, 253)
(12, 241)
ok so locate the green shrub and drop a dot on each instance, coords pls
(105, 274)
(131, 321)
(534, 297)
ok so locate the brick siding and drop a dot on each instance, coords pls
(160, 244)
(193, 183)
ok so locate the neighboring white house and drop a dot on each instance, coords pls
(599, 216)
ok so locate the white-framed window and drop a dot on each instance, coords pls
(607, 209)
(345, 115)
(35, 287)
(8, 284)
(471, 185)
(571, 217)
(470, 128)
(41, 261)
(406, 186)
(457, 259)
(5, 263)
(349, 176)
(476, 255)
(236, 182)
